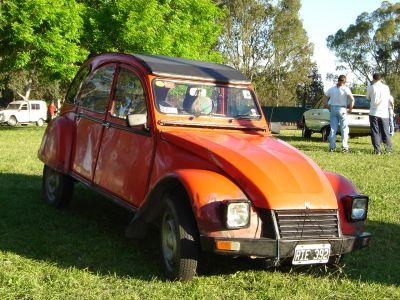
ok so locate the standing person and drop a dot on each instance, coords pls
(391, 116)
(379, 95)
(51, 110)
(339, 96)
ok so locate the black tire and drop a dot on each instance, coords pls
(57, 188)
(40, 123)
(336, 261)
(305, 132)
(325, 133)
(12, 121)
(179, 241)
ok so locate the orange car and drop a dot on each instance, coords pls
(184, 145)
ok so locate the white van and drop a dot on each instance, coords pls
(24, 112)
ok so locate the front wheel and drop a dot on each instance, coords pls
(179, 240)
(12, 121)
(57, 187)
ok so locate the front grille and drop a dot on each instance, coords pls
(307, 224)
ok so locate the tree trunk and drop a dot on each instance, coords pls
(28, 87)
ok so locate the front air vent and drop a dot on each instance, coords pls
(307, 224)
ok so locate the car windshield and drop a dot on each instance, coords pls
(13, 106)
(361, 102)
(181, 98)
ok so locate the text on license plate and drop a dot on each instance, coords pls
(311, 254)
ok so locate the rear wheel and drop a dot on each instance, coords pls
(12, 121)
(40, 122)
(57, 188)
(178, 240)
(305, 132)
(325, 133)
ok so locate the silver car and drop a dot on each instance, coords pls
(317, 119)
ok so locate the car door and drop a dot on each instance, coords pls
(34, 112)
(126, 153)
(93, 99)
(23, 113)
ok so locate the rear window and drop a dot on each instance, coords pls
(361, 102)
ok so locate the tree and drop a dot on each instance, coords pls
(177, 28)
(292, 55)
(371, 45)
(245, 40)
(310, 93)
(40, 39)
(266, 40)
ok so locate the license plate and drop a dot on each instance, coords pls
(311, 254)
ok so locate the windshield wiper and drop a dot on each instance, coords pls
(246, 116)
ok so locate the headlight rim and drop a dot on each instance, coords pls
(348, 202)
(225, 213)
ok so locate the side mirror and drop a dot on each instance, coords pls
(136, 119)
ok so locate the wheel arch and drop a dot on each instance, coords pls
(55, 148)
(205, 191)
(342, 186)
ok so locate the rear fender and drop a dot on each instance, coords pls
(56, 146)
(342, 187)
(206, 191)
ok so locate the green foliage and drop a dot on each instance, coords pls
(372, 44)
(41, 36)
(266, 40)
(44, 41)
(357, 88)
(176, 28)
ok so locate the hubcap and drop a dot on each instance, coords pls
(52, 182)
(12, 121)
(169, 240)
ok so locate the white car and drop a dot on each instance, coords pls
(24, 112)
(317, 119)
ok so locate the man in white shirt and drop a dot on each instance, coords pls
(339, 96)
(379, 95)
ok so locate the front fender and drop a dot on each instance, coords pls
(342, 187)
(57, 141)
(207, 191)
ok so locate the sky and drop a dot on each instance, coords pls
(322, 18)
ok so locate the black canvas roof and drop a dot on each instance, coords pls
(190, 69)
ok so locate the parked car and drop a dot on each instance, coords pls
(24, 112)
(317, 119)
(183, 144)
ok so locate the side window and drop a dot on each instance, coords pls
(76, 84)
(95, 90)
(34, 106)
(129, 95)
(24, 107)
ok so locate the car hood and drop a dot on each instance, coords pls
(272, 173)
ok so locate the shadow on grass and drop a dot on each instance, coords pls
(89, 235)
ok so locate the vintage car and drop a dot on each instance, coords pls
(317, 119)
(183, 144)
(24, 112)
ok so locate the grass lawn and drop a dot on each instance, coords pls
(81, 252)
